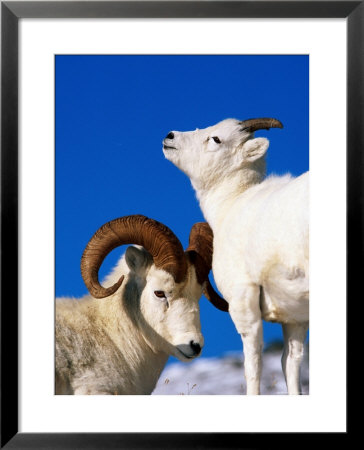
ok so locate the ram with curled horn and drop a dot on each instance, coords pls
(118, 339)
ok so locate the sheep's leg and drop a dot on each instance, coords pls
(294, 338)
(246, 315)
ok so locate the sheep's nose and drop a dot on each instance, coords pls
(170, 135)
(196, 347)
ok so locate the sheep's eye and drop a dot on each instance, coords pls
(216, 139)
(160, 294)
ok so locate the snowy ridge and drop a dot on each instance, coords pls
(225, 375)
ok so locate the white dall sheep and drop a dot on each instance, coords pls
(260, 228)
(120, 344)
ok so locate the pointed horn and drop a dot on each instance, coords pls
(264, 123)
(200, 249)
(156, 238)
(214, 297)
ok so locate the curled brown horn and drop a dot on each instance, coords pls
(264, 123)
(156, 238)
(200, 249)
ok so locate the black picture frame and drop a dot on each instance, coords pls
(11, 12)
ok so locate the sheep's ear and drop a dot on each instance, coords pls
(136, 258)
(255, 149)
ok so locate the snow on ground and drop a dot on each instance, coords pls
(225, 375)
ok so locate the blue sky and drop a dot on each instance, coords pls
(112, 113)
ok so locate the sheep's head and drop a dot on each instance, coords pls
(207, 154)
(163, 279)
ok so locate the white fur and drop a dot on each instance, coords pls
(260, 226)
(120, 344)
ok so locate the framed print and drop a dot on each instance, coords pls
(89, 92)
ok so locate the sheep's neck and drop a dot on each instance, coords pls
(145, 363)
(215, 200)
